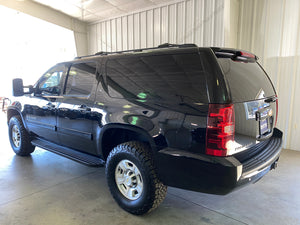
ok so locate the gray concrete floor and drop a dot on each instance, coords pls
(49, 189)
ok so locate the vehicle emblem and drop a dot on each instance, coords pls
(260, 94)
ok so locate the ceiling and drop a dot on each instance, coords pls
(96, 10)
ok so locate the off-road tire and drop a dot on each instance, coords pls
(154, 191)
(25, 147)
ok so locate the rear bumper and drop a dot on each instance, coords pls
(216, 175)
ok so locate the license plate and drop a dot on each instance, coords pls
(264, 126)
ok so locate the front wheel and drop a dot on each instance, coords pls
(19, 137)
(132, 178)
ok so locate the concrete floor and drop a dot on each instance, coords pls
(49, 189)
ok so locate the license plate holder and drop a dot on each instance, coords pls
(263, 126)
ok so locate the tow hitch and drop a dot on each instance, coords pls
(274, 165)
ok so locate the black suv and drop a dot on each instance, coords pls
(201, 119)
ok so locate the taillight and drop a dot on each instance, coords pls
(247, 55)
(220, 129)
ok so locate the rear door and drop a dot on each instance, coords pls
(75, 112)
(254, 101)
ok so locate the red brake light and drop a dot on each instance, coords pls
(220, 129)
(248, 55)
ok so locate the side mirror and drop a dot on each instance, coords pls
(18, 88)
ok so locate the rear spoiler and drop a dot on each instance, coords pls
(234, 54)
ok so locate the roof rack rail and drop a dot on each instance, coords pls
(165, 45)
(79, 57)
(101, 53)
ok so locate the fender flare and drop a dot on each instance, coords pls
(127, 127)
(13, 110)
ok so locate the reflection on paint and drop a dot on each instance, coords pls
(127, 106)
(73, 72)
(134, 120)
(142, 95)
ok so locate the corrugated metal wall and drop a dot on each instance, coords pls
(191, 21)
(271, 29)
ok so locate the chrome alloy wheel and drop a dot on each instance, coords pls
(129, 179)
(16, 136)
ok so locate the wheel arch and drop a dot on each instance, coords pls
(112, 135)
(14, 111)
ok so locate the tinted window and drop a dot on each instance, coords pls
(247, 81)
(178, 78)
(51, 81)
(81, 79)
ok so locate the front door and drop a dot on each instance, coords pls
(40, 109)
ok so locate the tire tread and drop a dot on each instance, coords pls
(143, 152)
(26, 147)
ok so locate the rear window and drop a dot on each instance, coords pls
(247, 80)
(176, 78)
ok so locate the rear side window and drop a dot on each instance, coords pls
(247, 81)
(81, 79)
(177, 78)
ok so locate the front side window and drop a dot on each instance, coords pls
(51, 81)
(81, 79)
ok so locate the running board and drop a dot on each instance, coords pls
(77, 156)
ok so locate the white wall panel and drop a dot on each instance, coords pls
(271, 29)
(199, 22)
(208, 21)
(149, 29)
(143, 21)
(130, 34)
(231, 22)
(92, 38)
(103, 36)
(113, 24)
(180, 31)
(172, 23)
(137, 32)
(98, 36)
(218, 23)
(108, 36)
(124, 35)
(294, 128)
(164, 24)
(189, 22)
(119, 34)
(186, 21)
(156, 26)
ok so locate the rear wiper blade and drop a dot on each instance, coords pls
(272, 99)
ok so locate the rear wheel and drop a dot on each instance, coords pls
(132, 178)
(19, 137)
